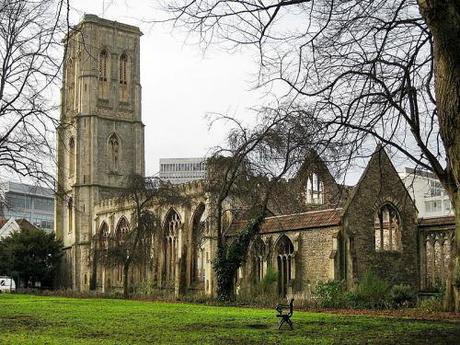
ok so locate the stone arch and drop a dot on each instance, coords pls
(171, 225)
(284, 251)
(387, 228)
(197, 259)
(114, 149)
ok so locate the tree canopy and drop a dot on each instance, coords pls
(32, 255)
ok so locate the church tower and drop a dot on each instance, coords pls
(100, 139)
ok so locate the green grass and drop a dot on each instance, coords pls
(37, 320)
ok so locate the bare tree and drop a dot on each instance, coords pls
(143, 196)
(385, 70)
(30, 59)
(244, 175)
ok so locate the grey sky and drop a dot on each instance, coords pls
(179, 85)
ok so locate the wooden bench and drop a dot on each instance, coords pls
(284, 313)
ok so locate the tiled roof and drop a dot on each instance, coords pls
(3, 221)
(444, 220)
(297, 221)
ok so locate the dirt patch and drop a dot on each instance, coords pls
(16, 322)
(258, 326)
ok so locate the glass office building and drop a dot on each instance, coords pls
(34, 203)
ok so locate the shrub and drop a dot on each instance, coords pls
(431, 304)
(402, 295)
(330, 294)
(372, 292)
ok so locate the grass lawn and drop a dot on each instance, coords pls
(37, 320)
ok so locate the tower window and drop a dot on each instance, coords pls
(103, 65)
(114, 148)
(71, 157)
(123, 69)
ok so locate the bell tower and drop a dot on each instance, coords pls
(100, 138)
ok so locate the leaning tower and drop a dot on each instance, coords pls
(100, 137)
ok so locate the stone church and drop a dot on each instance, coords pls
(334, 232)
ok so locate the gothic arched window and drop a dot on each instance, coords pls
(170, 241)
(114, 150)
(71, 157)
(103, 57)
(121, 230)
(314, 190)
(70, 215)
(285, 260)
(124, 69)
(387, 229)
(70, 83)
(103, 236)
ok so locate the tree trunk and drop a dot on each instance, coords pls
(125, 280)
(443, 20)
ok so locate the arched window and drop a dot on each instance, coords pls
(114, 150)
(71, 157)
(170, 242)
(197, 260)
(103, 236)
(314, 190)
(258, 256)
(70, 83)
(70, 215)
(285, 256)
(387, 229)
(103, 57)
(121, 230)
(124, 69)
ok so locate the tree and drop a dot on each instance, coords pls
(31, 255)
(244, 175)
(30, 43)
(385, 70)
(134, 245)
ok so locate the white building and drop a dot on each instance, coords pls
(180, 170)
(428, 193)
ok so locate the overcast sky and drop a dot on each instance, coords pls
(180, 84)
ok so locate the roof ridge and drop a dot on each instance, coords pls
(306, 212)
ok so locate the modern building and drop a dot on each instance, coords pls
(30, 202)
(428, 193)
(180, 170)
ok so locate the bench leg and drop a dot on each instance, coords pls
(281, 323)
(290, 323)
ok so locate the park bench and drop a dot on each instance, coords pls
(284, 313)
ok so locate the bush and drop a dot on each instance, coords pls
(372, 292)
(330, 294)
(402, 295)
(431, 304)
